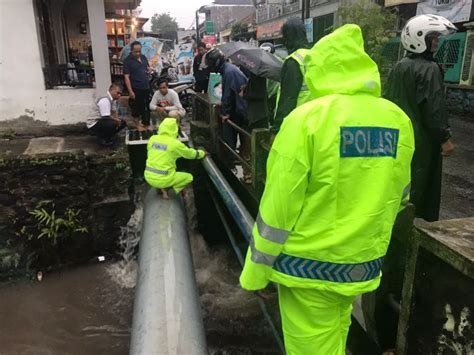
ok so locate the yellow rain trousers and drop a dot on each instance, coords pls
(320, 326)
(163, 151)
(338, 173)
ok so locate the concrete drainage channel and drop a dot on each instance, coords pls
(96, 181)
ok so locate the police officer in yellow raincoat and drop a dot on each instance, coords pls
(337, 175)
(163, 151)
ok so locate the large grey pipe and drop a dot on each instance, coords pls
(166, 314)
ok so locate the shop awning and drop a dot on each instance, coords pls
(269, 30)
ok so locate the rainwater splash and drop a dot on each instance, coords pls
(124, 273)
(232, 318)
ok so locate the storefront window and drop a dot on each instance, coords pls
(65, 43)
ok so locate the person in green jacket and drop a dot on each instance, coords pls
(338, 174)
(416, 84)
(163, 151)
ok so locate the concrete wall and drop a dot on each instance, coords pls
(22, 87)
(94, 184)
(223, 15)
(325, 9)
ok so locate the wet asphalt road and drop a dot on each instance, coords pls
(458, 172)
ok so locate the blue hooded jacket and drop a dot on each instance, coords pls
(232, 81)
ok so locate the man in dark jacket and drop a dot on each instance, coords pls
(292, 77)
(201, 75)
(416, 84)
(255, 93)
(136, 70)
(234, 107)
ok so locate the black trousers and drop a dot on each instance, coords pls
(140, 106)
(106, 128)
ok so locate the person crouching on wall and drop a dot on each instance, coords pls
(163, 151)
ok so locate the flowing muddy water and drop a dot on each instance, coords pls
(233, 320)
(88, 309)
(79, 311)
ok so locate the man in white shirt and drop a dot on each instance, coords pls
(106, 123)
(166, 102)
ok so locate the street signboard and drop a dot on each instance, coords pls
(210, 28)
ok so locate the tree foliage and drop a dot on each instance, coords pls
(239, 31)
(376, 24)
(163, 23)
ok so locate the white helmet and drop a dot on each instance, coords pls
(418, 27)
(268, 47)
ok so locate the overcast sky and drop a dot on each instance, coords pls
(183, 10)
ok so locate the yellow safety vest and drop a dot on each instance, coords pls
(305, 95)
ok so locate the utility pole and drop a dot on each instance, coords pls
(197, 27)
(305, 9)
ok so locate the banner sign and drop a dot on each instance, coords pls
(454, 10)
(184, 61)
(212, 40)
(270, 30)
(308, 24)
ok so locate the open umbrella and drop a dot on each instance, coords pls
(254, 59)
(151, 49)
(231, 47)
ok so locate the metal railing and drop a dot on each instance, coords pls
(64, 75)
(206, 130)
(244, 222)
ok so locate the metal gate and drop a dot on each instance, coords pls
(450, 54)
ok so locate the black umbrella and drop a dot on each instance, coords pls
(231, 47)
(254, 59)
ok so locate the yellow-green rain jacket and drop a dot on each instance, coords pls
(337, 175)
(163, 151)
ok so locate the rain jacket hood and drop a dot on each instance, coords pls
(169, 127)
(338, 173)
(338, 64)
(294, 34)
